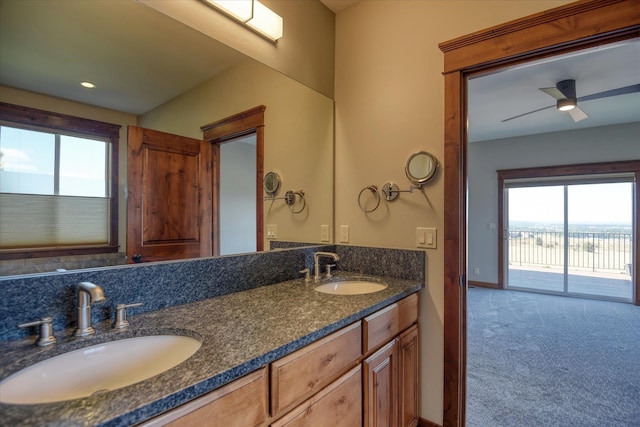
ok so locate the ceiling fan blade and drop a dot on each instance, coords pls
(553, 91)
(611, 92)
(577, 114)
(525, 114)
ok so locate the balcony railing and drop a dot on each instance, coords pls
(592, 251)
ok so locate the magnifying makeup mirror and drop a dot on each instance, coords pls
(421, 167)
(271, 183)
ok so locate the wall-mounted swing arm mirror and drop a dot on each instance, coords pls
(271, 183)
(421, 167)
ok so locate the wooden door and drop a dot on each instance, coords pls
(169, 196)
(408, 381)
(381, 387)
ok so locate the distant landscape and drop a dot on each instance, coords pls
(594, 247)
(573, 228)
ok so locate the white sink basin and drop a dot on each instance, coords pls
(350, 287)
(95, 369)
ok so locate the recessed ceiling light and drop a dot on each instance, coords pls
(88, 85)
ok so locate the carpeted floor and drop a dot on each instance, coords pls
(542, 360)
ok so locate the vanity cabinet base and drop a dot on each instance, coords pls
(365, 374)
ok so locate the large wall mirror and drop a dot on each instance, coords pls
(154, 72)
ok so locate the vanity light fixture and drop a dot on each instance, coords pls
(253, 14)
(88, 85)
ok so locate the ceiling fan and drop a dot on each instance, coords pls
(566, 100)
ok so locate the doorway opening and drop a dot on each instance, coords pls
(594, 22)
(246, 127)
(571, 236)
(237, 207)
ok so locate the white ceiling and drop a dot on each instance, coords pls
(137, 57)
(49, 47)
(338, 5)
(513, 91)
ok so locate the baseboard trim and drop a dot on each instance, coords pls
(483, 284)
(424, 423)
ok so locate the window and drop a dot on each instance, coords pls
(58, 184)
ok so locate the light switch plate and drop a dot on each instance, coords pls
(272, 231)
(344, 234)
(324, 233)
(426, 238)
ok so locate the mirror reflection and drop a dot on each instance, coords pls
(155, 73)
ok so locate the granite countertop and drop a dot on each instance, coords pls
(240, 332)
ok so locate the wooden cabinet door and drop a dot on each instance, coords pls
(337, 405)
(169, 196)
(381, 387)
(408, 381)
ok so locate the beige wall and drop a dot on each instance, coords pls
(304, 53)
(298, 137)
(48, 103)
(389, 98)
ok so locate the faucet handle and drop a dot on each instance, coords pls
(121, 315)
(46, 336)
(307, 274)
(329, 267)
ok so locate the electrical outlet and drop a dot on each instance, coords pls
(476, 271)
(272, 231)
(426, 237)
(324, 233)
(344, 234)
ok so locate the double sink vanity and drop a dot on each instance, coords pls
(295, 352)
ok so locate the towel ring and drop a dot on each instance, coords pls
(374, 190)
(290, 199)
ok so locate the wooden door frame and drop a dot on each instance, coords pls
(575, 26)
(224, 130)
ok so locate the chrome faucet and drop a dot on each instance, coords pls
(316, 262)
(87, 293)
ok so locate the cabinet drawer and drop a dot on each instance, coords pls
(242, 403)
(383, 325)
(297, 376)
(338, 405)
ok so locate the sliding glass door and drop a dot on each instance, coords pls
(570, 237)
(600, 237)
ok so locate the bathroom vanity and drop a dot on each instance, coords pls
(372, 362)
(280, 355)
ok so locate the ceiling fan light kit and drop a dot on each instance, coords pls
(566, 104)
